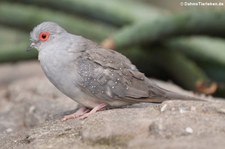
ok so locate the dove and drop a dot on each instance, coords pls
(95, 77)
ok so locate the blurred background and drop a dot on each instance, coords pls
(178, 41)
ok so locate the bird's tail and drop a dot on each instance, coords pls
(159, 94)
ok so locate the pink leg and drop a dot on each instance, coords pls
(81, 111)
(94, 110)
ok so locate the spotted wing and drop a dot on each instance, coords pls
(107, 74)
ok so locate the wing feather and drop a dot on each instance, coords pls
(114, 76)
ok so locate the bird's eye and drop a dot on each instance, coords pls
(43, 36)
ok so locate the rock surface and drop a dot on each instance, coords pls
(31, 109)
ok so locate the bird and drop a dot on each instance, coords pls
(95, 77)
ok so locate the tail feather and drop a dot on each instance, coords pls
(159, 94)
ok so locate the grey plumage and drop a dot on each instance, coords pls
(92, 75)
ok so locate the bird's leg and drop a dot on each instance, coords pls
(99, 107)
(81, 111)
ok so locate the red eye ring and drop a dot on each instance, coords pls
(43, 36)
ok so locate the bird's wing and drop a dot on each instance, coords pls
(107, 74)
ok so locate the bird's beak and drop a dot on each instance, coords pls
(31, 46)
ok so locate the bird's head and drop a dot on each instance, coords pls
(44, 34)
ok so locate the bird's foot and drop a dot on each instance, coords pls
(99, 107)
(84, 112)
(80, 112)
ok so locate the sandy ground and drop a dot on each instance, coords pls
(31, 109)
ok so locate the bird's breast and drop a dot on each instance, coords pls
(59, 70)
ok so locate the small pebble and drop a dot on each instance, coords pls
(32, 109)
(182, 110)
(8, 130)
(189, 130)
(163, 108)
